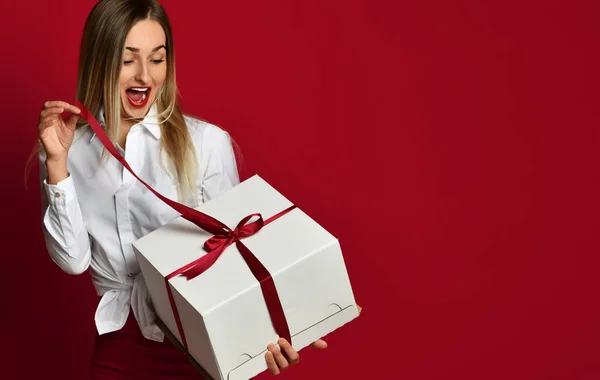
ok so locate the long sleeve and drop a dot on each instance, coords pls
(66, 237)
(221, 173)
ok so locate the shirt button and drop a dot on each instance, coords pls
(56, 195)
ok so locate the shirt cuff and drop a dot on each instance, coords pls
(62, 192)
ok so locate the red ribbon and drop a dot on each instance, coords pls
(215, 246)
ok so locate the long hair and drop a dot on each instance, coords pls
(100, 60)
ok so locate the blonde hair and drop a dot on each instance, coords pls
(100, 60)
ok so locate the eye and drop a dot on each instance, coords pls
(157, 61)
(127, 62)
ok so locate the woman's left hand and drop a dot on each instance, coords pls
(278, 360)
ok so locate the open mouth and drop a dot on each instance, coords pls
(138, 96)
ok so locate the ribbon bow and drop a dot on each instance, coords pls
(241, 231)
(217, 244)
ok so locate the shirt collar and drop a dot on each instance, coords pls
(150, 121)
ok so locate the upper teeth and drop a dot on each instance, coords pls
(139, 89)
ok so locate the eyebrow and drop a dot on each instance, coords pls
(136, 50)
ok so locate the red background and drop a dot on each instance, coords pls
(451, 146)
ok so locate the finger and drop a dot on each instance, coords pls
(290, 352)
(271, 364)
(281, 361)
(64, 105)
(45, 123)
(359, 308)
(320, 344)
(72, 122)
(51, 111)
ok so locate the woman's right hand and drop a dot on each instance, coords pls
(56, 134)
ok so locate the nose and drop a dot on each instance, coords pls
(142, 75)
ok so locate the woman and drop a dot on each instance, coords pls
(95, 210)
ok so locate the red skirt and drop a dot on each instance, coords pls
(126, 354)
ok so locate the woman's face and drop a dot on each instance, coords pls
(144, 67)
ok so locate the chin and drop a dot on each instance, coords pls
(135, 113)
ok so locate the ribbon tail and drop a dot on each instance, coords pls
(267, 285)
(176, 314)
(212, 225)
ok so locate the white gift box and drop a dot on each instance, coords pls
(223, 312)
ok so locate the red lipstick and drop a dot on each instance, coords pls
(138, 96)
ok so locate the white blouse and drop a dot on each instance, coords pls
(92, 217)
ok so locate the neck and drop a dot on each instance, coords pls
(126, 124)
(124, 130)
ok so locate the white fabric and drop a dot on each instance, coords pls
(91, 218)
